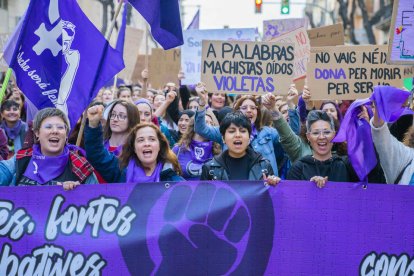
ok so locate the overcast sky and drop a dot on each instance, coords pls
(215, 14)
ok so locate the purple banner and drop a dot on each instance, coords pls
(207, 228)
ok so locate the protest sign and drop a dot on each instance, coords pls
(191, 50)
(299, 38)
(236, 227)
(139, 67)
(133, 39)
(401, 44)
(332, 35)
(277, 27)
(408, 71)
(164, 67)
(350, 72)
(3, 40)
(247, 67)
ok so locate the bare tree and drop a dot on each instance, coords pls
(105, 5)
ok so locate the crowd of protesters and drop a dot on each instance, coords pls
(136, 134)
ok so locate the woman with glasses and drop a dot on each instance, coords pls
(322, 165)
(145, 157)
(263, 139)
(12, 124)
(50, 161)
(123, 116)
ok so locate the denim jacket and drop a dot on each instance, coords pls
(266, 142)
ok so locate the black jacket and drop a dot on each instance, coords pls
(216, 169)
(337, 168)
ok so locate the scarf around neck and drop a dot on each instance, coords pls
(43, 169)
(136, 174)
(12, 132)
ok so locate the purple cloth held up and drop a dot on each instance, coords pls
(136, 174)
(357, 132)
(43, 169)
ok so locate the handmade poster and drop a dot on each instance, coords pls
(213, 228)
(277, 27)
(133, 39)
(191, 49)
(299, 38)
(331, 35)
(350, 72)
(401, 44)
(164, 67)
(239, 67)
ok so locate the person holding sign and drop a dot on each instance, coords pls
(264, 139)
(50, 161)
(239, 161)
(145, 157)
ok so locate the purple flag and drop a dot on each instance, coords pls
(195, 23)
(121, 34)
(163, 16)
(357, 132)
(59, 57)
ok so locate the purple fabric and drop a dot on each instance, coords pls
(218, 228)
(254, 133)
(12, 132)
(56, 74)
(117, 151)
(4, 149)
(163, 16)
(43, 169)
(201, 151)
(136, 174)
(302, 109)
(357, 132)
(195, 23)
(145, 101)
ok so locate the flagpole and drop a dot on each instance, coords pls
(107, 37)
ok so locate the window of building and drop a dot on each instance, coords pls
(3, 4)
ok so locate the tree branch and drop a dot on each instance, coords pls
(367, 24)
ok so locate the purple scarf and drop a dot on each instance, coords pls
(136, 174)
(201, 151)
(13, 132)
(254, 133)
(43, 169)
(357, 132)
(117, 151)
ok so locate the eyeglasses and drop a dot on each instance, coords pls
(317, 133)
(120, 117)
(59, 127)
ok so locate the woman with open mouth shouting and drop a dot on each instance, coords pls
(239, 161)
(263, 139)
(145, 157)
(50, 161)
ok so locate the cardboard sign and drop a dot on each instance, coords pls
(247, 67)
(133, 39)
(401, 44)
(408, 71)
(275, 28)
(164, 67)
(332, 35)
(191, 50)
(299, 38)
(350, 72)
(139, 67)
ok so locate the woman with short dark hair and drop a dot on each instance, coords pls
(12, 124)
(239, 161)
